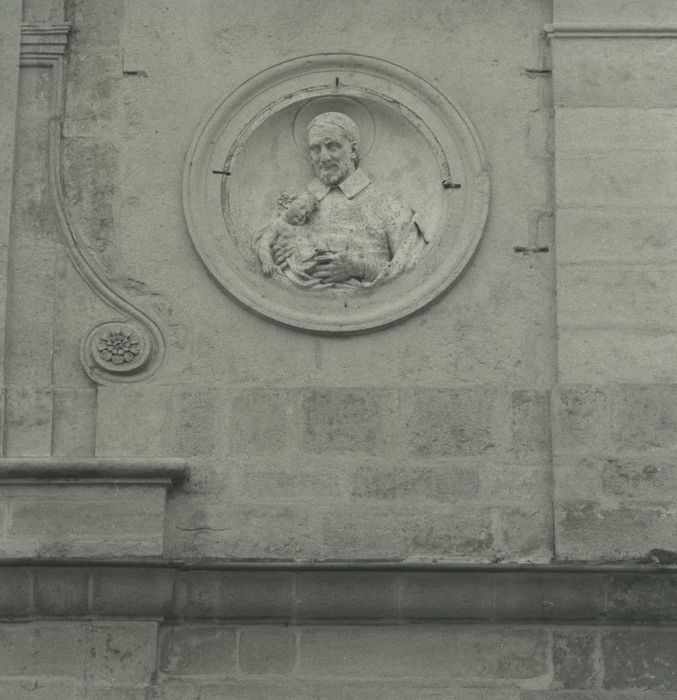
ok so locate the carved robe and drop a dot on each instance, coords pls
(355, 217)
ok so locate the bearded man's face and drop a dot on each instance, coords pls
(331, 153)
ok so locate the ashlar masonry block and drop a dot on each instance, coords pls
(424, 651)
(89, 507)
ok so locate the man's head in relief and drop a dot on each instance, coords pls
(334, 144)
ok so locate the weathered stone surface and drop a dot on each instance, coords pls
(94, 692)
(524, 533)
(112, 520)
(591, 695)
(640, 659)
(444, 480)
(30, 283)
(641, 478)
(273, 398)
(645, 417)
(100, 651)
(603, 355)
(376, 532)
(429, 440)
(274, 530)
(460, 421)
(574, 659)
(207, 594)
(331, 591)
(510, 485)
(620, 73)
(74, 422)
(119, 592)
(349, 420)
(580, 419)
(588, 129)
(585, 530)
(264, 650)
(647, 478)
(617, 295)
(603, 179)
(429, 652)
(558, 596)
(616, 235)
(50, 649)
(298, 475)
(197, 650)
(262, 421)
(28, 421)
(530, 422)
(193, 421)
(254, 689)
(15, 589)
(628, 12)
(94, 104)
(99, 24)
(123, 651)
(42, 689)
(643, 597)
(62, 592)
(344, 595)
(92, 193)
(438, 596)
(426, 692)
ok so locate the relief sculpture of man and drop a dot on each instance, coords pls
(342, 232)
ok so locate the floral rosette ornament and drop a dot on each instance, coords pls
(115, 351)
(119, 346)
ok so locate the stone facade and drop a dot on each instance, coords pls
(457, 484)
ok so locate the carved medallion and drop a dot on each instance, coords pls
(336, 193)
(115, 347)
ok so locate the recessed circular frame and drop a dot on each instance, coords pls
(115, 348)
(422, 148)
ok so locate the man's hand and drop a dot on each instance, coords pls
(337, 267)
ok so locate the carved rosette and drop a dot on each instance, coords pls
(115, 348)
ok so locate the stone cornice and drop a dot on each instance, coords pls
(574, 30)
(100, 469)
(311, 594)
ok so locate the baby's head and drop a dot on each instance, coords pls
(298, 209)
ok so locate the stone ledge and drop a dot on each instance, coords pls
(306, 594)
(107, 469)
(603, 30)
(95, 507)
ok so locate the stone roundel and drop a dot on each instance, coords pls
(417, 146)
(117, 348)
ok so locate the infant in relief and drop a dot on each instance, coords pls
(293, 210)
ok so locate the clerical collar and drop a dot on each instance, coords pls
(351, 186)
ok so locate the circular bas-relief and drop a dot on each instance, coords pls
(119, 348)
(336, 193)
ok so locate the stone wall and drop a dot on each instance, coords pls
(159, 632)
(614, 424)
(477, 502)
(210, 662)
(427, 439)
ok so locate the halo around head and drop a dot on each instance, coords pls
(338, 119)
(353, 109)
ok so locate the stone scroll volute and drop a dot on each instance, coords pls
(129, 327)
(336, 193)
